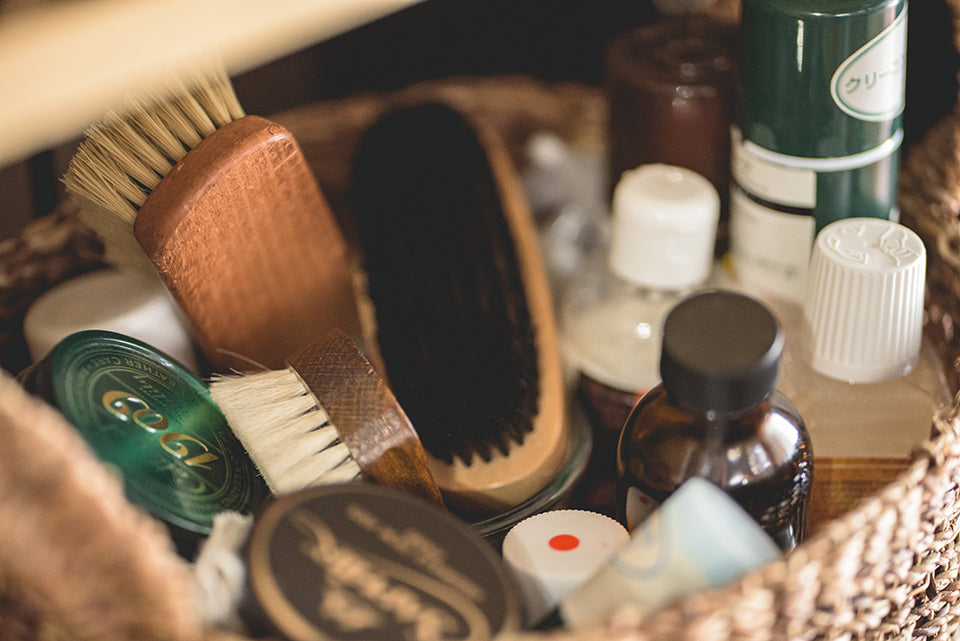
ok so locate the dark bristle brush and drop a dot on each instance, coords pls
(455, 303)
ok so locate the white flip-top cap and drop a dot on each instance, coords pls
(664, 227)
(551, 553)
(864, 302)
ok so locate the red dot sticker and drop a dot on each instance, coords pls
(564, 542)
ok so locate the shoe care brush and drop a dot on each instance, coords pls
(328, 417)
(455, 304)
(225, 209)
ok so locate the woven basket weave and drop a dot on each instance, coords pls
(79, 562)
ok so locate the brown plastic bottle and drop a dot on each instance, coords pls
(717, 415)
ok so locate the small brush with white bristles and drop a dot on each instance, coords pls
(327, 418)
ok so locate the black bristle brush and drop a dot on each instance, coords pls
(456, 305)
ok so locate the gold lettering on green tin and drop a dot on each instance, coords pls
(129, 408)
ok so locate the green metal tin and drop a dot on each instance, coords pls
(154, 422)
(821, 99)
(805, 64)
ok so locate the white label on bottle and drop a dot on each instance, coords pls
(770, 249)
(776, 182)
(870, 84)
(638, 507)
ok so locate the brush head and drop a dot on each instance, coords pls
(460, 316)
(327, 418)
(286, 432)
(125, 156)
(226, 210)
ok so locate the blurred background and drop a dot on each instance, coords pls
(555, 41)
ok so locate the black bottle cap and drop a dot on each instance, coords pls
(721, 352)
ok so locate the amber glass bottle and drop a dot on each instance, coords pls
(717, 415)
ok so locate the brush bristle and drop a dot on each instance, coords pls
(284, 430)
(453, 327)
(122, 158)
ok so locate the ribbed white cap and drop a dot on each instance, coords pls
(664, 226)
(551, 553)
(864, 300)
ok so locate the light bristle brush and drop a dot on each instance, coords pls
(225, 208)
(328, 417)
(457, 311)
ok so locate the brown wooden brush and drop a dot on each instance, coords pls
(226, 210)
(326, 418)
(456, 306)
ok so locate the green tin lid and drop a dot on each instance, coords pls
(153, 421)
(822, 78)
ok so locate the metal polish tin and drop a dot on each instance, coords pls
(152, 421)
(822, 79)
(821, 98)
(359, 561)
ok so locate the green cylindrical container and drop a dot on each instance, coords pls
(821, 99)
(154, 423)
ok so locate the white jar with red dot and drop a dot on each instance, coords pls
(550, 553)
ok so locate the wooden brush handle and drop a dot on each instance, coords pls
(368, 417)
(248, 247)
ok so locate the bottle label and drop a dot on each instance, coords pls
(770, 249)
(777, 182)
(870, 84)
(638, 507)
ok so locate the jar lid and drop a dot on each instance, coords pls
(362, 561)
(721, 352)
(864, 303)
(688, 56)
(551, 553)
(152, 421)
(664, 226)
(114, 300)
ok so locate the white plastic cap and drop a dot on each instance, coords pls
(864, 302)
(551, 553)
(113, 300)
(664, 227)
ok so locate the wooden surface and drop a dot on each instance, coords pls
(368, 417)
(63, 64)
(246, 243)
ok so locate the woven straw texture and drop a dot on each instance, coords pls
(79, 562)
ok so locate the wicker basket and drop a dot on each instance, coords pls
(79, 562)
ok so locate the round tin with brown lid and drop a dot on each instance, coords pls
(359, 561)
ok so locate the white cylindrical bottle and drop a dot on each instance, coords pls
(661, 247)
(859, 371)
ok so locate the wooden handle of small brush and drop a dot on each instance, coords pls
(368, 417)
(248, 247)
